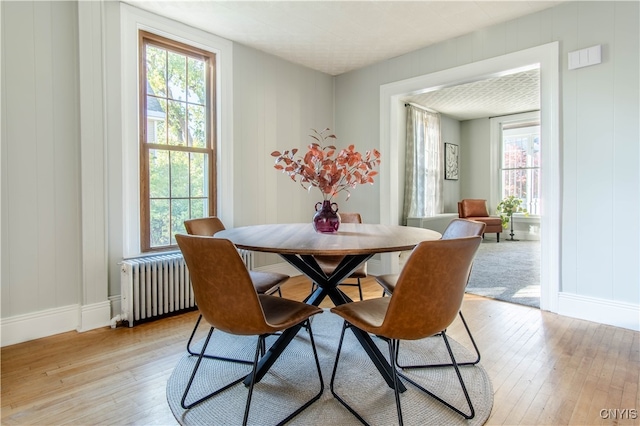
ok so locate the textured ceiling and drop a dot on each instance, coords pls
(508, 94)
(339, 36)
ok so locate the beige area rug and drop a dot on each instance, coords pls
(293, 380)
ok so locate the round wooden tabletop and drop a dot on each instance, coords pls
(351, 238)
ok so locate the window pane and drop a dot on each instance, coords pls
(177, 123)
(515, 153)
(536, 158)
(158, 174)
(196, 82)
(199, 175)
(521, 155)
(156, 120)
(199, 207)
(177, 93)
(177, 76)
(159, 219)
(156, 71)
(179, 174)
(197, 126)
(179, 213)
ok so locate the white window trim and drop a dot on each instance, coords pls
(132, 20)
(495, 135)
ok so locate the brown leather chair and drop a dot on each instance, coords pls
(228, 301)
(264, 282)
(477, 210)
(457, 228)
(426, 300)
(330, 263)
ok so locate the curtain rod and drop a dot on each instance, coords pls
(421, 107)
(514, 113)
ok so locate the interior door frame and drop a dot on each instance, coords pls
(547, 58)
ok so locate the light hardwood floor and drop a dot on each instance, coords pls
(545, 369)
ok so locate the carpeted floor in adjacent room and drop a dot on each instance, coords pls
(508, 271)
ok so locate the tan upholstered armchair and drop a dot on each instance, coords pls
(477, 210)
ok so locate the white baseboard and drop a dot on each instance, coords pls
(94, 316)
(618, 314)
(22, 328)
(116, 305)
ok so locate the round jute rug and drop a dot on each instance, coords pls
(293, 380)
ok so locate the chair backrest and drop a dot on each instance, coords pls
(205, 226)
(430, 288)
(224, 292)
(459, 228)
(350, 218)
(472, 208)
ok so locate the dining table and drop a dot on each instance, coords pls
(299, 243)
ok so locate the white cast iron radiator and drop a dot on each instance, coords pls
(156, 286)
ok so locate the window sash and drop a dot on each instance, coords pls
(521, 181)
(159, 235)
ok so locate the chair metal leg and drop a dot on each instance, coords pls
(221, 358)
(393, 345)
(258, 351)
(460, 364)
(319, 394)
(193, 375)
(345, 325)
(393, 349)
(256, 356)
(472, 412)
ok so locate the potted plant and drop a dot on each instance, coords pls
(506, 208)
(330, 171)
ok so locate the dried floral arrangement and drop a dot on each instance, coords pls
(327, 169)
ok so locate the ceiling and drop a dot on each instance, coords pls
(504, 95)
(335, 37)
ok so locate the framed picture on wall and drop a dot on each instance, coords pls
(450, 161)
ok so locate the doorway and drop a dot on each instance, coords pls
(391, 132)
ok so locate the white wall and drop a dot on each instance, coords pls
(276, 106)
(276, 103)
(41, 204)
(60, 233)
(599, 140)
(51, 248)
(451, 133)
(475, 159)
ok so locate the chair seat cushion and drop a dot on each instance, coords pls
(387, 282)
(330, 263)
(281, 313)
(265, 281)
(489, 220)
(367, 315)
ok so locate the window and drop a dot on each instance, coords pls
(521, 164)
(177, 128)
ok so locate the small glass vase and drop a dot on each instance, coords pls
(326, 219)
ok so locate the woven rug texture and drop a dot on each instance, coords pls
(293, 379)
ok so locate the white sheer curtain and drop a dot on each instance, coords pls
(423, 176)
